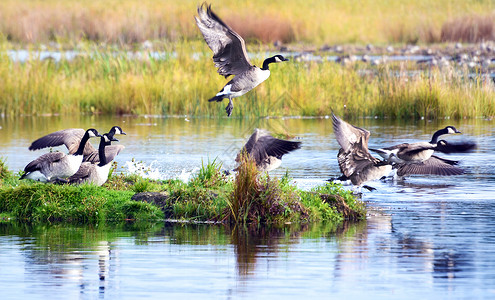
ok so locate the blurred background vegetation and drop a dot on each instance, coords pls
(315, 22)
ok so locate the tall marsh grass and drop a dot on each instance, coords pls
(106, 81)
(314, 21)
(469, 28)
(258, 199)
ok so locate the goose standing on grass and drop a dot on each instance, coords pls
(96, 173)
(57, 164)
(266, 150)
(355, 161)
(71, 139)
(230, 57)
(110, 150)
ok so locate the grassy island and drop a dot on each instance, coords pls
(210, 196)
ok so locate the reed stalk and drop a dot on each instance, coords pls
(101, 80)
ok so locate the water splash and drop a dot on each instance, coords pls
(142, 169)
(186, 176)
(151, 172)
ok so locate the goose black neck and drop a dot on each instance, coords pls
(436, 135)
(82, 144)
(101, 152)
(266, 62)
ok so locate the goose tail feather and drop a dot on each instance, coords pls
(216, 98)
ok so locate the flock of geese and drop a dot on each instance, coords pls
(358, 165)
(85, 164)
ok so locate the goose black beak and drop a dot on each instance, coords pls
(285, 59)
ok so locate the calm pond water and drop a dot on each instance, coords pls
(425, 237)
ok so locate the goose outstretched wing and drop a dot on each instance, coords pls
(262, 145)
(110, 152)
(71, 138)
(349, 135)
(432, 166)
(229, 49)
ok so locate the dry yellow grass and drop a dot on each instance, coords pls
(100, 82)
(312, 21)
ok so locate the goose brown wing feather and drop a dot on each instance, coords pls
(275, 147)
(355, 160)
(447, 161)
(350, 162)
(68, 137)
(432, 166)
(261, 145)
(347, 135)
(44, 159)
(84, 172)
(253, 139)
(110, 152)
(229, 49)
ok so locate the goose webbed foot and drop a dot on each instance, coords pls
(229, 107)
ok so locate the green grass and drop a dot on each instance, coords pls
(100, 82)
(209, 196)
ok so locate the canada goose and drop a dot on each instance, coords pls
(436, 165)
(110, 150)
(266, 150)
(71, 139)
(355, 161)
(420, 151)
(230, 57)
(57, 164)
(432, 166)
(96, 173)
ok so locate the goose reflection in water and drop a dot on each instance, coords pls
(59, 264)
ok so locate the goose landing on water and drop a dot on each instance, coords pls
(418, 158)
(416, 152)
(230, 57)
(57, 164)
(266, 150)
(355, 161)
(436, 165)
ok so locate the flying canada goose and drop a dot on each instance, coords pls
(420, 151)
(96, 173)
(71, 139)
(418, 158)
(355, 161)
(230, 57)
(57, 164)
(436, 165)
(266, 150)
